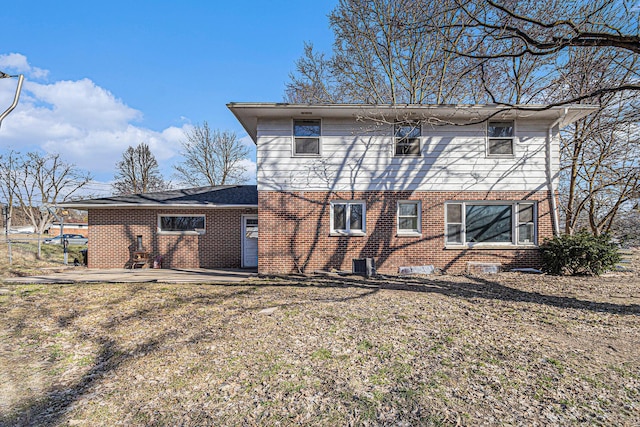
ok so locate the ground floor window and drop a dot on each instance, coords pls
(508, 223)
(181, 223)
(409, 217)
(348, 217)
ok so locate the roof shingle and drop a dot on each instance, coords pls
(222, 195)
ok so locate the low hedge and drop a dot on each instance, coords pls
(580, 254)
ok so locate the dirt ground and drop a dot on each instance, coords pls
(505, 349)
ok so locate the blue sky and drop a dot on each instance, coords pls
(101, 76)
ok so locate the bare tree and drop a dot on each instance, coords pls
(138, 172)
(212, 157)
(549, 29)
(385, 51)
(8, 164)
(599, 154)
(35, 183)
(415, 51)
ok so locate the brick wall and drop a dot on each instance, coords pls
(113, 233)
(295, 226)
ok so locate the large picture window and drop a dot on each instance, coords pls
(407, 139)
(509, 223)
(348, 217)
(306, 137)
(181, 223)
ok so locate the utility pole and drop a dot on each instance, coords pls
(5, 113)
(5, 214)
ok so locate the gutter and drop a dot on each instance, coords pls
(549, 166)
(151, 206)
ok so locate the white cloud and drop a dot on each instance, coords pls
(17, 63)
(248, 142)
(251, 170)
(81, 103)
(84, 123)
(80, 120)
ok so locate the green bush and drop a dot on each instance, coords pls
(579, 254)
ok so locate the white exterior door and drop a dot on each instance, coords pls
(249, 241)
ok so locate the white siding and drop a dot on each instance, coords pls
(359, 157)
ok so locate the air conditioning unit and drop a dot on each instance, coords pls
(363, 266)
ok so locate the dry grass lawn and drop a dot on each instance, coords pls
(506, 349)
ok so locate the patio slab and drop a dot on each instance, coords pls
(138, 275)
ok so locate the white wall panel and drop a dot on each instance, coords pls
(356, 156)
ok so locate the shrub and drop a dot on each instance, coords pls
(581, 253)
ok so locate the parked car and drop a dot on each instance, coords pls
(72, 239)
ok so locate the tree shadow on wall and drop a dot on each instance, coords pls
(364, 158)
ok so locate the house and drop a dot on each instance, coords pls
(207, 227)
(451, 186)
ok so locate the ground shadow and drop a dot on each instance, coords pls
(472, 287)
(49, 408)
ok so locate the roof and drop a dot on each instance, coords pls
(248, 113)
(222, 196)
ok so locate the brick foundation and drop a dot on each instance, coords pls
(294, 232)
(112, 238)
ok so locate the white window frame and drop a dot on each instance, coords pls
(412, 232)
(515, 223)
(294, 137)
(512, 138)
(396, 139)
(348, 231)
(533, 222)
(194, 231)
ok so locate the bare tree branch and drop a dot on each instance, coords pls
(212, 157)
(138, 172)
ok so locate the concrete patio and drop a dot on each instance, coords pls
(138, 275)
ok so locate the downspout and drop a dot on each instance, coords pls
(555, 220)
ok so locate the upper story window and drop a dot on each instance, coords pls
(181, 223)
(407, 139)
(306, 137)
(409, 217)
(348, 217)
(469, 223)
(500, 138)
